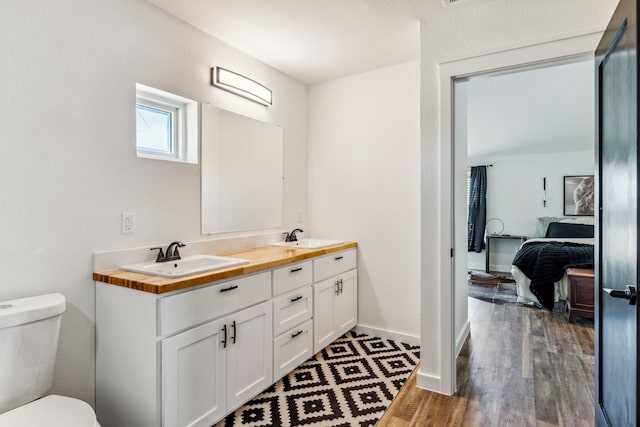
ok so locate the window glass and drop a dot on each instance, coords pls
(154, 129)
(166, 126)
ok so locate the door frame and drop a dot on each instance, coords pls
(570, 49)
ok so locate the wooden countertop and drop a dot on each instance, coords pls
(262, 258)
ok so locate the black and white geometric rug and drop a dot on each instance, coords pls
(349, 383)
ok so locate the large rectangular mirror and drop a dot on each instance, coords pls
(242, 172)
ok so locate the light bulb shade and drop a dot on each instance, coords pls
(240, 85)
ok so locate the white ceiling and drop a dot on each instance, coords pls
(534, 111)
(318, 40)
(315, 40)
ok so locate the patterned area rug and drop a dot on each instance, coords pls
(349, 383)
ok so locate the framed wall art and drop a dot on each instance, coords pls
(578, 195)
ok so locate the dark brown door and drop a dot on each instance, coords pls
(617, 240)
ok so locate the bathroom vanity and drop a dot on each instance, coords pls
(188, 351)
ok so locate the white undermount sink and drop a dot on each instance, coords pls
(308, 243)
(187, 265)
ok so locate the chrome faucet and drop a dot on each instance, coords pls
(291, 237)
(172, 253)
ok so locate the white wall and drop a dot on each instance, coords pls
(514, 195)
(68, 166)
(364, 185)
(463, 33)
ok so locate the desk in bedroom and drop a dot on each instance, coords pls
(499, 236)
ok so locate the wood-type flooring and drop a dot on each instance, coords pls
(521, 366)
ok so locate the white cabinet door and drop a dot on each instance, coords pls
(346, 302)
(193, 376)
(324, 331)
(249, 354)
(335, 309)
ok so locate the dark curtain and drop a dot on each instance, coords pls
(477, 208)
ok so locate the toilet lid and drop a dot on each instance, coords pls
(51, 411)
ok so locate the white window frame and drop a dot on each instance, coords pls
(184, 124)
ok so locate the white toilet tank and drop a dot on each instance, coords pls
(29, 330)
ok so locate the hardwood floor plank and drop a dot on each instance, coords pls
(543, 376)
(521, 366)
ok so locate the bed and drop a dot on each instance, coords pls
(543, 261)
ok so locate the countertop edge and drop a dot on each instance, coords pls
(160, 285)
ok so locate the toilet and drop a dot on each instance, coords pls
(29, 330)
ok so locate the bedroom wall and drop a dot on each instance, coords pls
(67, 124)
(514, 195)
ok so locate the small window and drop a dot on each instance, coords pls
(166, 126)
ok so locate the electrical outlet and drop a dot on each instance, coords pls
(128, 222)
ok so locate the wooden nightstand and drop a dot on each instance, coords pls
(581, 293)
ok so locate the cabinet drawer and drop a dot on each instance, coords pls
(334, 264)
(292, 348)
(190, 308)
(292, 309)
(293, 276)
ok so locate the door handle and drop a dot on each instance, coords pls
(630, 293)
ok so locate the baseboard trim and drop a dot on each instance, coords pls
(462, 337)
(390, 335)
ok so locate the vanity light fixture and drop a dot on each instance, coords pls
(240, 85)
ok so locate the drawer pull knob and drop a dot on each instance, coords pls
(296, 269)
(338, 258)
(295, 334)
(230, 288)
(298, 298)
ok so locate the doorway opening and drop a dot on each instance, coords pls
(526, 128)
(568, 50)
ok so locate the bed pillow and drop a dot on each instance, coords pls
(543, 224)
(579, 220)
(568, 230)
